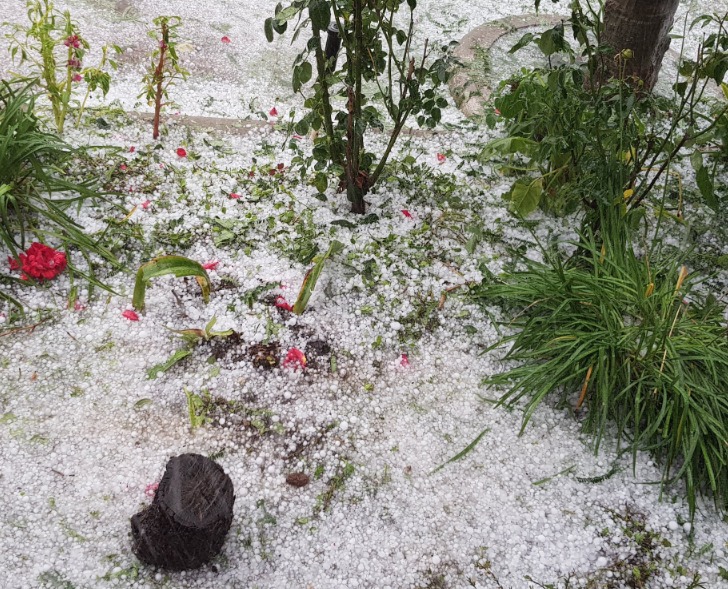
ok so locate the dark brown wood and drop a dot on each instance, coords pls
(186, 524)
(642, 27)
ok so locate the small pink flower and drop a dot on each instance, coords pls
(77, 77)
(406, 213)
(74, 64)
(162, 45)
(79, 306)
(130, 315)
(281, 167)
(273, 112)
(146, 203)
(251, 174)
(151, 489)
(211, 265)
(234, 195)
(132, 149)
(272, 172)
(297, 137)
(496, 111)
(123, 167)
(441, 158)
(13, 263)
(181, 152)
(295, 358)
(404, 360)
(226, 40)
(282, 303)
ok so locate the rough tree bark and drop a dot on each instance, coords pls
(643, 26)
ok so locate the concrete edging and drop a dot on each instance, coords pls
(470, 97)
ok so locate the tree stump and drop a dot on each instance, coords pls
(186, 524)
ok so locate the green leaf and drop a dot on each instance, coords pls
(320, 14)
(696, 160)
(522, 42)
(369, 219)
(463, 452)
(525, 195)
(268, 27)
(141, 403)
(312, 276)
(176, 357)
(344, 223)
(286, 14)
(508, 146)
(321, 182)
(705, 184)
(306, 72)
(177, 265)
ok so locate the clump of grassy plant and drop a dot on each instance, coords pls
(33, 197)
(631, 340)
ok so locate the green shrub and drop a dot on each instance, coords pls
(632, 338)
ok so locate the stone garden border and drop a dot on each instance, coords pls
(469, 96)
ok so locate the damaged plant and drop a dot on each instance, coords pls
(380, 67)
(164, 68)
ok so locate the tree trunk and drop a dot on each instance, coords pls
(186, 524)
(641, 26)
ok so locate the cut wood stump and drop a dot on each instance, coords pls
(186, 524)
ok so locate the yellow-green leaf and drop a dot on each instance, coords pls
(177, 265)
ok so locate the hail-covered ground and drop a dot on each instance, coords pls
(395, 355)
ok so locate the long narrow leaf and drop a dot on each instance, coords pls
(179, 266)
(312, 276)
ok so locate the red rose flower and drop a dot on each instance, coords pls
(181, 152)
(40, 262)
(441, 158)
